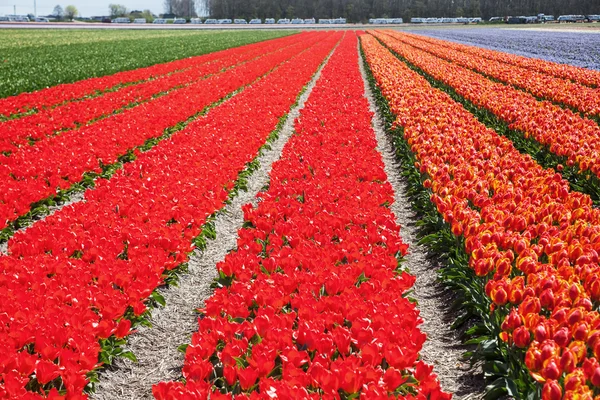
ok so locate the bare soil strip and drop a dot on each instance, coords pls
(443, 348)
(173, 325)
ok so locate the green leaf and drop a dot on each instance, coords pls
(129, 355)
(183, 348)
(157, 297)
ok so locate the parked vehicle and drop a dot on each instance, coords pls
(545, 18)
(211, 21)
(297, 21)
(571, 18)
(283, 21)
(224, 21)
(239, 21)
(270, 21)
(139, 21)
(41, 19)
(310, 21)
(496, 19)
(121, 20)
(416, 20)
(159, 21)
(196, 21)
(255, 21)
(324, 21)
(179, 21)
(592, 18)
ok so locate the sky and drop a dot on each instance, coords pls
(87, 8)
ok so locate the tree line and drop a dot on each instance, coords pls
(362, 10)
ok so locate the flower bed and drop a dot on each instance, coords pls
(563, 132)
(34, 173)
(56, 95)
(34, 128)
(532, 244)
(572, 55)
(579, 97)
(311, 304)
(74, 282)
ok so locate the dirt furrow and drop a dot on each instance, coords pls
(173, 325)
(443, 348)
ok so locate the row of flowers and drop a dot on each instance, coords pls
(313, 303)
(579, 97)
(80, 276)
(533, 243)
(56, 95)
(34, 173)
(565, 133)
(36, 127)
(583, 76)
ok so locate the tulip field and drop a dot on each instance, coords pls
(110, 186)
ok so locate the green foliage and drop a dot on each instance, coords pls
(34, 59)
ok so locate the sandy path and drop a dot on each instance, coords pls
(173, 325)
(443, 348)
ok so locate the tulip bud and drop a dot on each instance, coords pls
(550, 350)
(500, 296)
(560, 315)
(590, 365)
(573, 291)
(595, 378)
(547, 299)
(568, 361)
(551, 391)
(552, 370)
(562, 337)
(512, 321)
(521, 337)
(581, 332)
(503, 267)
(533, 357)
(540, 333)
(574, 316)
(574, 380)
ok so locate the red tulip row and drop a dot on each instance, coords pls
(564, 132)
(34, 173)
(69, 280)
(579, 75)
(574, 95)
(56, 95)
(535, 241)
(22, 131)
(314, 307)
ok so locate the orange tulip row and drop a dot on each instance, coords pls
(535, 242)
(565, 133)
(583, 76)
(578, 97)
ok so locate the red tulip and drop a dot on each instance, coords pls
(521, 337)
(551, 391)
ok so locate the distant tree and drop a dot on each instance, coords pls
(362, 10)
(117, 10)
(168, 6)
(147, 14)
(181, 8)
(71, 12)
(58, 12)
